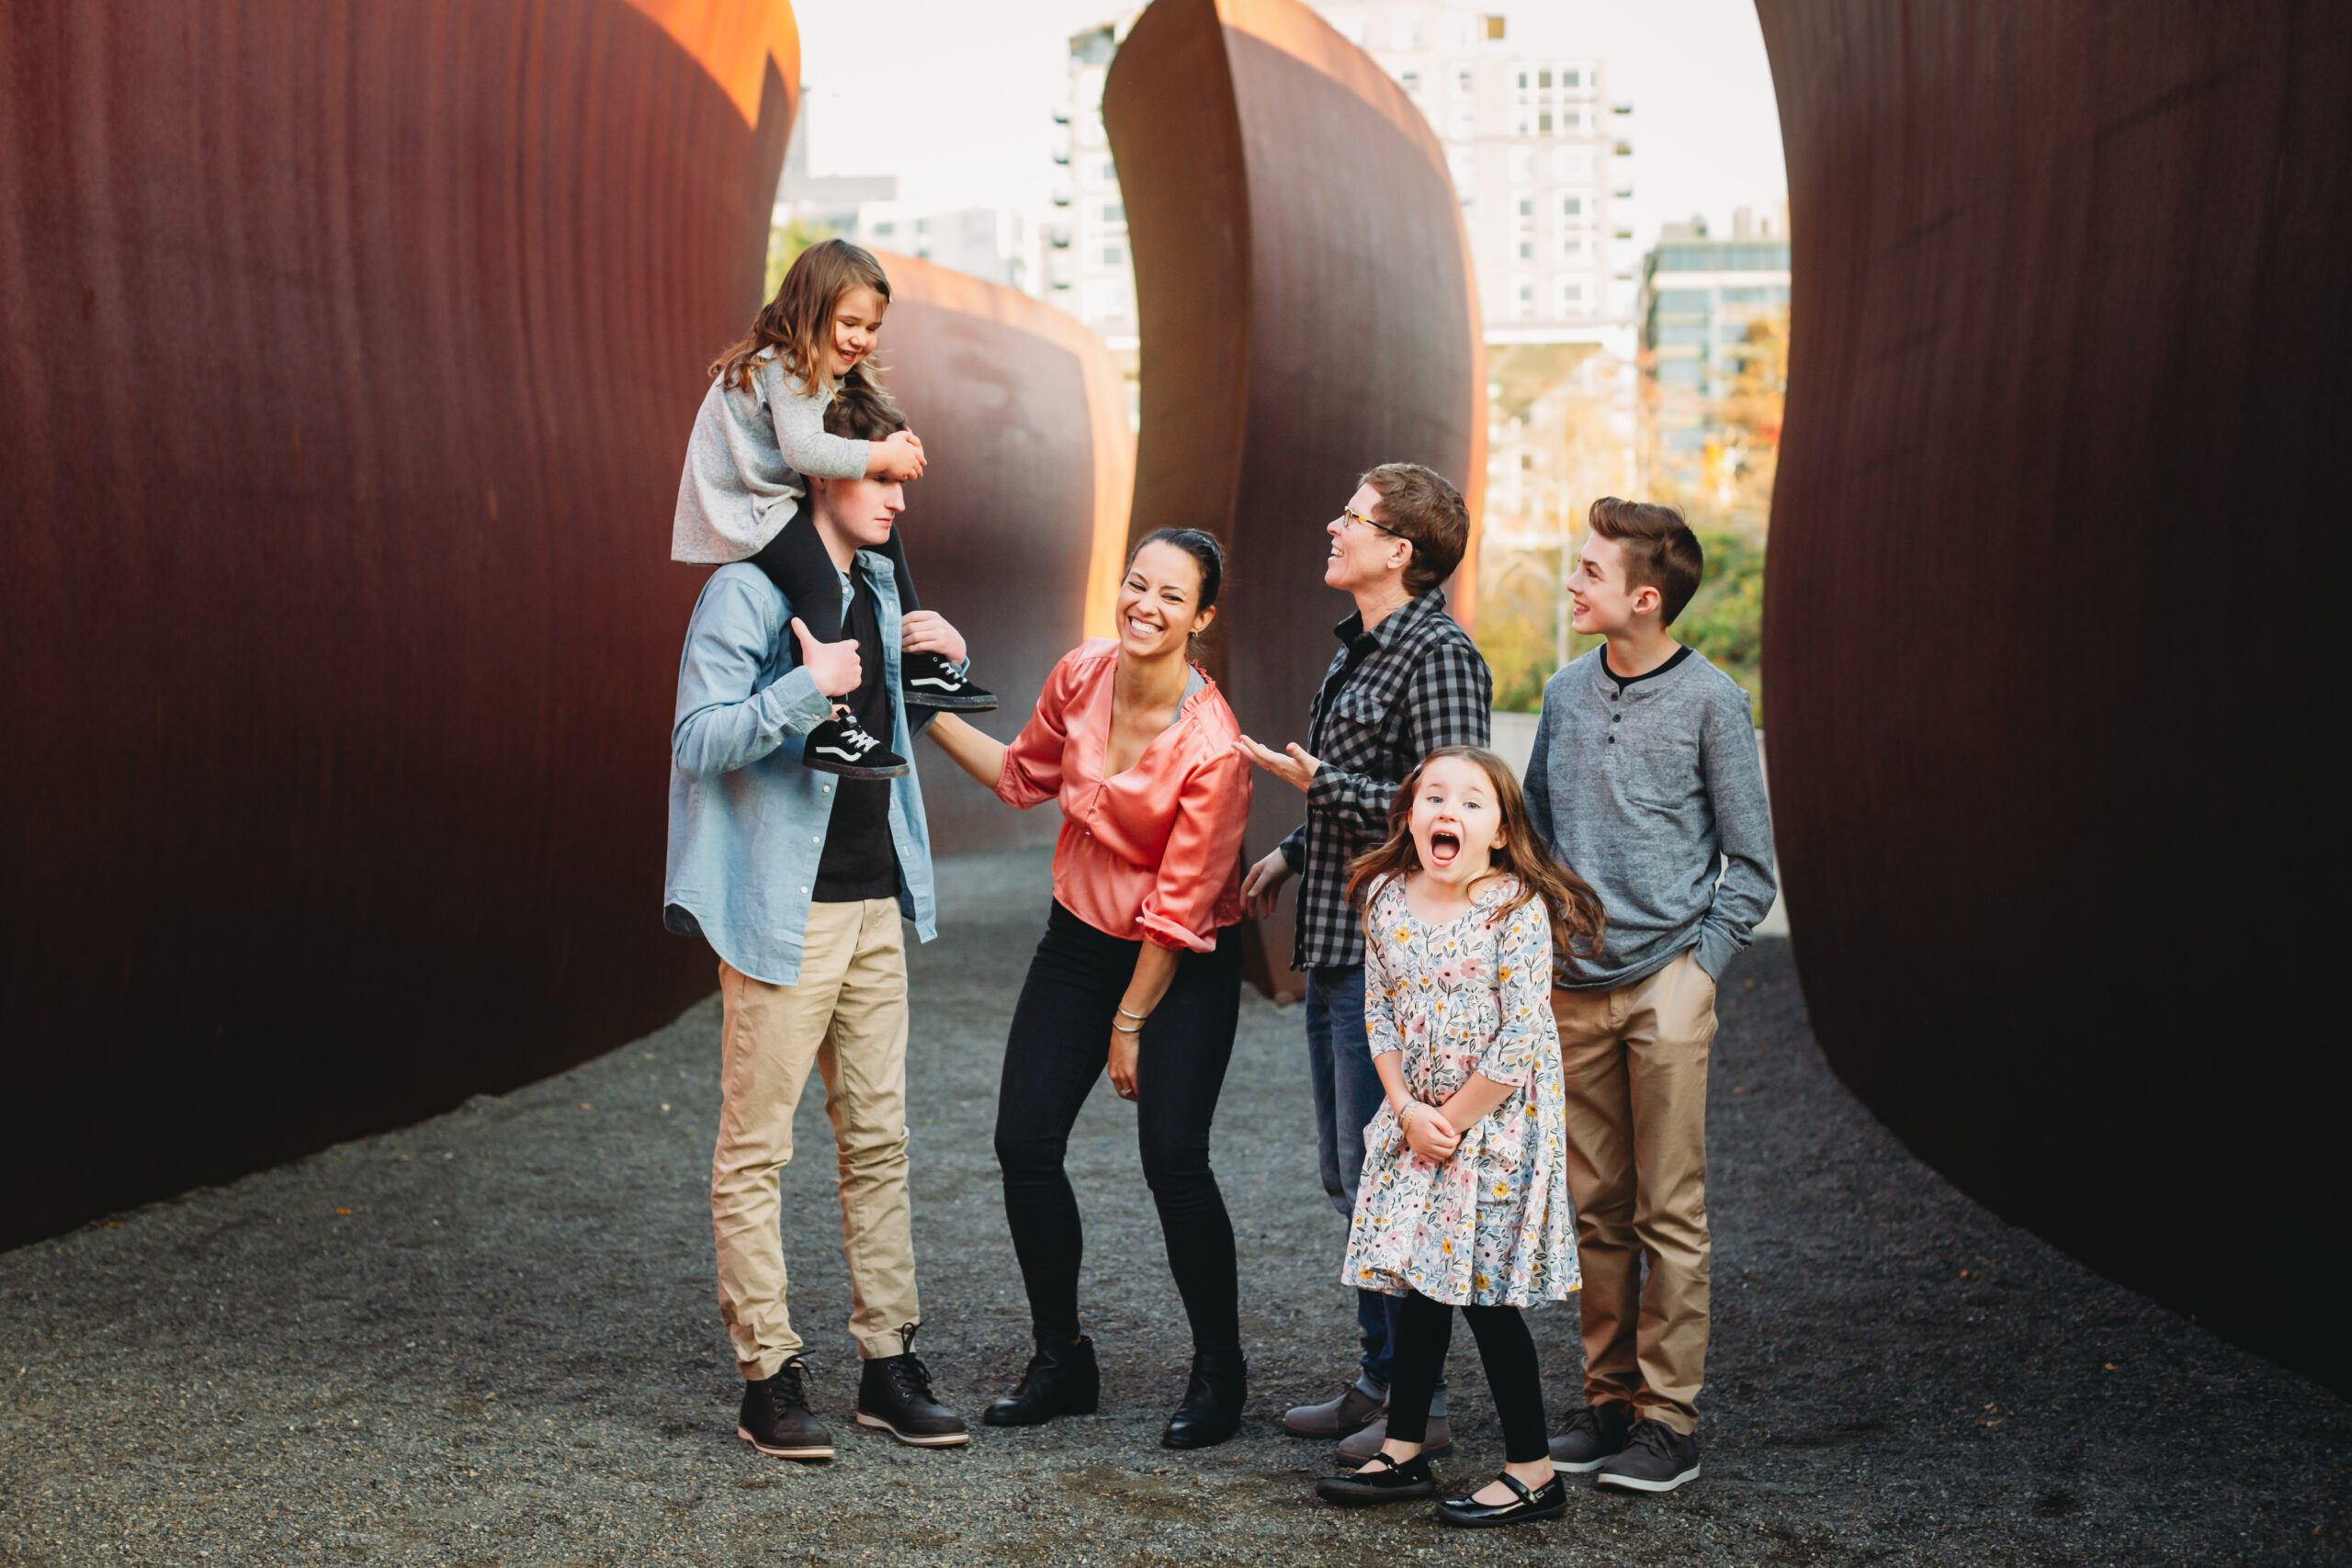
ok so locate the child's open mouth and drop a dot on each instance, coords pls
(1444, 847)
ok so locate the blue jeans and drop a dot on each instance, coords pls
(1347, 1096)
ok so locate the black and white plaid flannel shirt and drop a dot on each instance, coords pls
(1418, 683)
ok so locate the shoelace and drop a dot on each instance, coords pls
(786, 1387)
(1584, 1420)
(905, 1369)
(1655, 1435)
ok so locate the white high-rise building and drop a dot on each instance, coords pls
(1538, 155)
(1087, 269)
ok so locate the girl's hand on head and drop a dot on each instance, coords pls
(927, 631)
(899, 458)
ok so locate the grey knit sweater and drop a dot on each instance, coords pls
(744, 462)
(1646, 794)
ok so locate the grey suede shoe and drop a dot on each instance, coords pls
(1436, 1443)
(1337, 1418)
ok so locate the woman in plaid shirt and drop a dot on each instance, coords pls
(1406, 680)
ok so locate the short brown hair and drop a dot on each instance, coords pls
(1661, 551)
(1420, 506)
(861, 411)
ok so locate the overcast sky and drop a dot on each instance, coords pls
(956, 96)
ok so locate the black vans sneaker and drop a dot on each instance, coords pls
(929, 680)
(1591, 1436)
(776, 1418)
(894, 1396)
(1656, 1458)
(841, 745)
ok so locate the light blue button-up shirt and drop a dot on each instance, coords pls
(747, 820)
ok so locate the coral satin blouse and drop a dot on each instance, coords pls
(1155, 852)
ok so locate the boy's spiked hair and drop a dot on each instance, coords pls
(1661, 551)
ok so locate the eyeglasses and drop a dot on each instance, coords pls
(1349, 514)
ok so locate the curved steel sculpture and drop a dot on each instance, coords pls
(1308, 310)
(349, 362)
(1018, 529)
(2056, 519)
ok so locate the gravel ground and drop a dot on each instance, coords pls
(490, 1338)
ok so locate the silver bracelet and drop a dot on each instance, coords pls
(1122, 1029)
(1139, 1017)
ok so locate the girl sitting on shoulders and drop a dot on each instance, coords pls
(1463, 1199)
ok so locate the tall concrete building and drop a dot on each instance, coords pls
(823, 201)
(1698, 296)
(1086, 264)
(993, 242)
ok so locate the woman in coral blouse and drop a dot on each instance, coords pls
(1139, 970)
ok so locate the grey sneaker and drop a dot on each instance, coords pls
(1334, 1418)
(1437, 1440)
(1591, 1436)
(1656, 1458)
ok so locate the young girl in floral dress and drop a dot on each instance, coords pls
(1463, 1199)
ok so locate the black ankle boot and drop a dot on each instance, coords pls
(1212, 1409)
(1062, 1380)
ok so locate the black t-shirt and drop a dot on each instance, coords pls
(859, 860)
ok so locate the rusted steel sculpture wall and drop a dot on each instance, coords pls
(1307, 311)
(2050, 618)
(350, 354)
(1018, 528)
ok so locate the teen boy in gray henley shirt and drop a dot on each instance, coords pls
(1645, 781)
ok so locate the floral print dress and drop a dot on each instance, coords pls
(1491, 1226)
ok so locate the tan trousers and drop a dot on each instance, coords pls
(848, 1015)
(1633, 1062)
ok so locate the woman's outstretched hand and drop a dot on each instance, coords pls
(1429, 1134)
(927, 631)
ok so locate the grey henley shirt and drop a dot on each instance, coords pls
(1647, 793)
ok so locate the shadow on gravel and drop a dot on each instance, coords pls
(490, 1339)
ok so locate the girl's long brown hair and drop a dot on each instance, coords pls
(798, 323)
(1573, 907)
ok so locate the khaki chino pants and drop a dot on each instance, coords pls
(847, 1016)
(1634, 1063)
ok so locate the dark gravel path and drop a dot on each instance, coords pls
(491, 1339)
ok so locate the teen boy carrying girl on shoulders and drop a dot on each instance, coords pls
(1645, 776)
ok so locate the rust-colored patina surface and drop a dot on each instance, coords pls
(1307, 311)
(1018, 528)
(351, 351)
(2050, 622)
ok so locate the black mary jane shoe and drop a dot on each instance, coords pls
(1060, 1379)
(1212, 1409)
(1546, 1502)
(1380, 1478)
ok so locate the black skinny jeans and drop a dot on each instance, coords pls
(1059, 1046)
(1423, 1329)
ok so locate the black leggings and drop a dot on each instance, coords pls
(1059, 1046)
(1504, 1344)
(796, 563)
